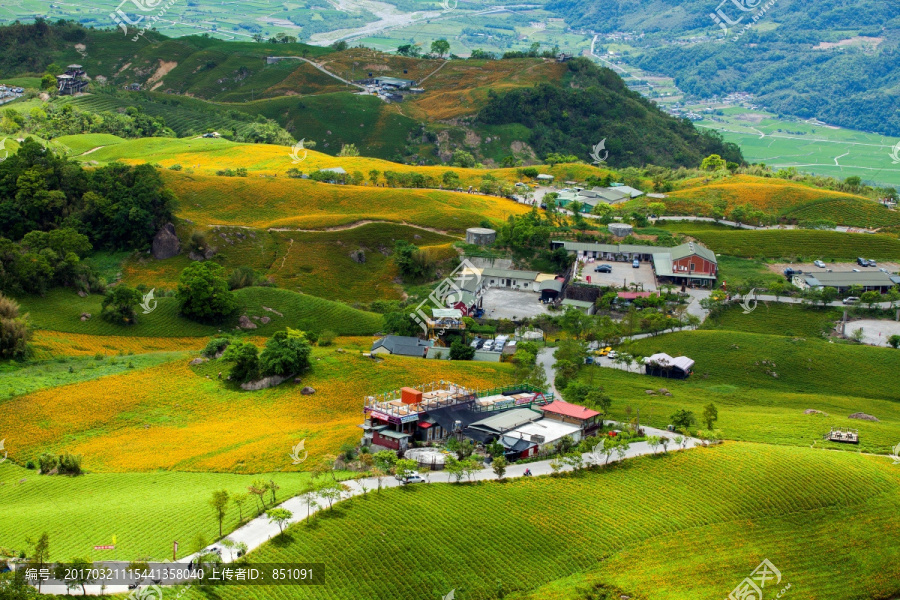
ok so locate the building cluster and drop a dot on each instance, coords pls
(389, 89)
(689, 264)
(73, 81)
(878, 281)
(588, 199)
(525, 420)
(10, 93)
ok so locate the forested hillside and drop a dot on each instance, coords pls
(835, 60)
(598, 106)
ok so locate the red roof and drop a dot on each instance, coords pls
(570, 410)
(633, 295)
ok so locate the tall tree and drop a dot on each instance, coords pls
(219, 503)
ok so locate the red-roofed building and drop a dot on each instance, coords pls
(633, 295)
(589, 420)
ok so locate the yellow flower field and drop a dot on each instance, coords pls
(297, 203)
(53, 343)
(767, 194)
(174, 416)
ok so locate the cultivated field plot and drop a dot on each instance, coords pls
(744, 502)
(823, 149)
(764, 371)
(294, 203)
(790, 200)
(797, 245)
(176, 417)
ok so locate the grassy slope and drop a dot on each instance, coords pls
(286, 202)
(145, 512)
(60, 310)
(173, 416)
(839, 379)
(629, 522)
(780, 197)
(320, 263)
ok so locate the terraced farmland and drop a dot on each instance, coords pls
(793, 244)
(619, 525)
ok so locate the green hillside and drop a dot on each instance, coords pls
(655, 528)
(61, 309)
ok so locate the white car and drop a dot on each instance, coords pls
(819, 264)
(411, 477)
(612, 354)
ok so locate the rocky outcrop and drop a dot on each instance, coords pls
(863, 417)
(245, 323)
(205, 254)
(261, 384)
(165, 243)
(358, 256)
(308, 391)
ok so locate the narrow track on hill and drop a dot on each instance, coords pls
(358, 224)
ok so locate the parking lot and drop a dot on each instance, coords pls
(622, 274)
(510, 304)
(837, 267)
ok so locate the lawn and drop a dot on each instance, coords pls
(176, 417)
(775, 318)
(657, 527)
(735, 272)
(60, 310)
(762, 384)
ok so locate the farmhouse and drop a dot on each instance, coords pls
(470, 283)
(584, 306)
(586, 420)
(433, 411)
(545, 433)
(663, 365)
(402, 346)
(844, 280)
(687, 264)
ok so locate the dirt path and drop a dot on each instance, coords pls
(357, 224)
(91, 150)
(421, 81)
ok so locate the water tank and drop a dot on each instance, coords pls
(620, 229)
(481, 236)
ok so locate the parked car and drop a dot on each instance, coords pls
(613, 354)
(789, 272)
(856, 271)
(872, 263)
(883, 270)
(411, 477)
(603, 269)
(850, 300)
(862, 261)
(635, 264)
(819, 264)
